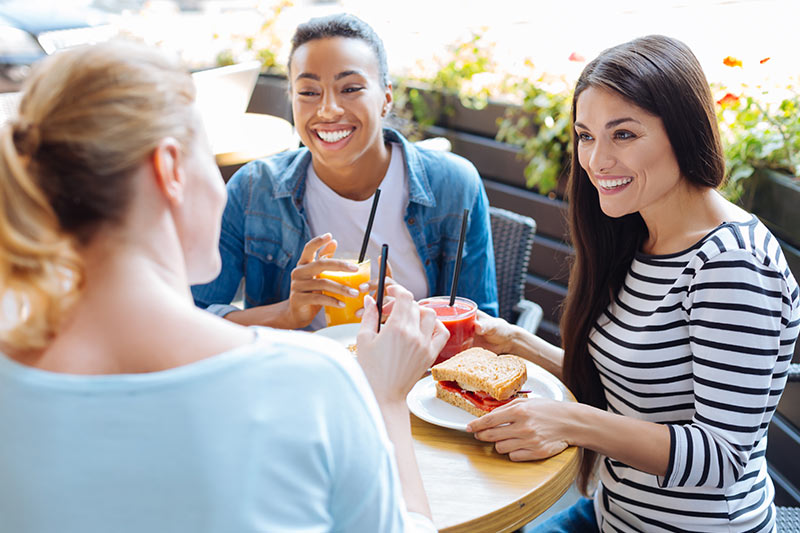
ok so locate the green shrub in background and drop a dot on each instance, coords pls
(262, 46)
(419, 101)
(760, 128)
(540, 126)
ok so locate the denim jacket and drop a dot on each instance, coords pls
(264, 228)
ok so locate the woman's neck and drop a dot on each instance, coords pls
(685, 218)
(124, 280)
(357, 181)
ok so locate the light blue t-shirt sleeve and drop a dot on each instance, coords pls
(328, 456)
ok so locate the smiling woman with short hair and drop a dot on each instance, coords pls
(340, 94)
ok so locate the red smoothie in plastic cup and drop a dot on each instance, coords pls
(459, 321)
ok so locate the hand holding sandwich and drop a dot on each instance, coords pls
(525, 429)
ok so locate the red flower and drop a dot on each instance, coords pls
(764, 60)
(728, 99)
(576, 57)
(732, 61)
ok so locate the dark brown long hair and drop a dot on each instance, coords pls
(662, 76)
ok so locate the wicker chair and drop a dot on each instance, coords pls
(788, 518)
(513, 238)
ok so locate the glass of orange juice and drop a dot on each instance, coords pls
(347, 314)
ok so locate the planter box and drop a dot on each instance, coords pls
(450, 113)
(775, 198)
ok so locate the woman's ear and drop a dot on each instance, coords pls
(387, 104)
(168, 170)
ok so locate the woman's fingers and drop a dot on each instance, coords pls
(315, 268)
(319, 285)
(493, 419)
(404, 309)
(310, 249)
(369, 322)
(315, 299)
(327, 250)
(427, 322)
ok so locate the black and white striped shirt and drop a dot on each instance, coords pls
(700, 341)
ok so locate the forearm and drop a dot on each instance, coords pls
(639, 444)
(398, 426)
(537, 350)
(276, 315)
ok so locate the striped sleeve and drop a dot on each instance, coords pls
(737, 309)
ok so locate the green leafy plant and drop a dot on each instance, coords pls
(541, 128)
(760, 128)
(264, 44)
(420, 101)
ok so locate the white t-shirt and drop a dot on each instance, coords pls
(346, 220)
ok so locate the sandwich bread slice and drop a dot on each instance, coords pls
(478, 381)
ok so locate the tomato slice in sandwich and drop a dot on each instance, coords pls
(479, 399)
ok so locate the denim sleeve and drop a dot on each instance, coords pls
(216, 296)
(478, 280)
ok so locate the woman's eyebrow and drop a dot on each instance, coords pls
(339, 76)
(617, 121)
(611, 123)
(346, 73)
(307, 75)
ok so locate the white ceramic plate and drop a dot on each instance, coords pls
(422, 400)
(345, 334)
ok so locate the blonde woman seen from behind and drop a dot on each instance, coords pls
(123, 407)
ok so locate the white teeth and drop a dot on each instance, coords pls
(333, 136)
(613, 184)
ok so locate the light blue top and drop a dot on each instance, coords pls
(280, 435)
(264, 227)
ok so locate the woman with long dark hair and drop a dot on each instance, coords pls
(681, 316)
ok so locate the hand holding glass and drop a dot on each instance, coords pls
(459, 319)
(347, 314)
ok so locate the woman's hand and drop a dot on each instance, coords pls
(395, 359)
(373, 289)
(305, 293)
(494, 334)
(534, 428)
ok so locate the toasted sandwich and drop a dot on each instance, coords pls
(478, 381)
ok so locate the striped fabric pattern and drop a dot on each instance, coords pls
(700, 341)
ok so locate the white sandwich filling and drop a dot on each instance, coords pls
(468, 388)
(333, 136)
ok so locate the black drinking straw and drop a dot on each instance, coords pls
(369, 225)
(381, 283)
(457, 271)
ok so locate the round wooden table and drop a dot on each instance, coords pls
(472, 488)
(241, 138)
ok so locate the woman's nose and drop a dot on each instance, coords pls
(329, 106)
(602, 157)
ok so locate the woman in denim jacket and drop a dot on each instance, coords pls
(340, 93)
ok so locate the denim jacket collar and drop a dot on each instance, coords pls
(293, 181)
